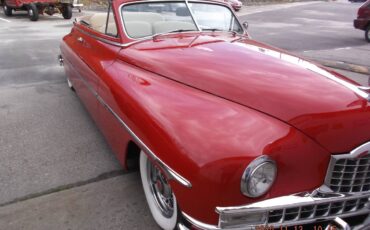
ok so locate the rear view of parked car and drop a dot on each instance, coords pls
(37, 7)
(363, 19)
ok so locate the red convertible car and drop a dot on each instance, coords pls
(229, 133)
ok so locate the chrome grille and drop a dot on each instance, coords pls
(349, 175)
(316, 211)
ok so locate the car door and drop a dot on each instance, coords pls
(99, 45)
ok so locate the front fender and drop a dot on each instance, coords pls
(210, 141)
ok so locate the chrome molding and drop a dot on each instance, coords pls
(293, 201)
(172, 174)
(199, 224)
(100, 38)
(192, 15)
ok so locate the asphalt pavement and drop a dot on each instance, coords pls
(56, 170)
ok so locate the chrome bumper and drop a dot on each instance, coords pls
(294, 210)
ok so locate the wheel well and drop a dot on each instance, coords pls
(132, 156)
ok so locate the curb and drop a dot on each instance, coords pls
(344, 66)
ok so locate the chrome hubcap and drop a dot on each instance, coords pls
(161, 190)
(30, 12)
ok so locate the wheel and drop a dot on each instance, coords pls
(67, 12)
(7, 10)
(33, 12)
(161, 200)
(367, 33)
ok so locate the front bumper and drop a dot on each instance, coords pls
(294, 210)
(360, 23)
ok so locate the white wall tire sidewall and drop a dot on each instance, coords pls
(162, 221)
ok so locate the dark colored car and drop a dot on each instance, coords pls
(363, 19)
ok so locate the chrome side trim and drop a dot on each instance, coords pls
(181, 226)
(99, 38)
(172, 174)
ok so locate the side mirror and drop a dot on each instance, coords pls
(245, 25)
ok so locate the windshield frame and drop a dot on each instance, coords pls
(191, 13)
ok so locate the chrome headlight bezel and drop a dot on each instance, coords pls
(249, 172)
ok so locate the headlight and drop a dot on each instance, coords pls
(258, 177)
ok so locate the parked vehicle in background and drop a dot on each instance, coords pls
(78, 5)
(37, 7)
(357, 0)
(235, 4)
(363, 19)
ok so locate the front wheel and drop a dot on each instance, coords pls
(7, 10)
(33, 12)
(367, 34)
(67, 12)
(161, 200)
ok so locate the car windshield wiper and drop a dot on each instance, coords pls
(173, 31)
(211, 29)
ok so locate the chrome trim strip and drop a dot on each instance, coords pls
(199, 224)
(99, 38)
(192, 15)
(172, 174)
(356, 152)
(304, 198)
(181, 226)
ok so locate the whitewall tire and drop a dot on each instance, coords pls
(161, 200)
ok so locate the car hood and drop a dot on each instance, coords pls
(324, 105)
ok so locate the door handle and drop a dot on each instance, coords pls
(80, 39)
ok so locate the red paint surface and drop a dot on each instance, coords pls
(208, 108)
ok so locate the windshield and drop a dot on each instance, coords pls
(151, 18)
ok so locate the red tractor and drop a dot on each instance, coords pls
(37, 7)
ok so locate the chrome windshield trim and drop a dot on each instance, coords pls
(172, 174)
(192, 15)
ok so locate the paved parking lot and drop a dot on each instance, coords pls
(56, 171)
